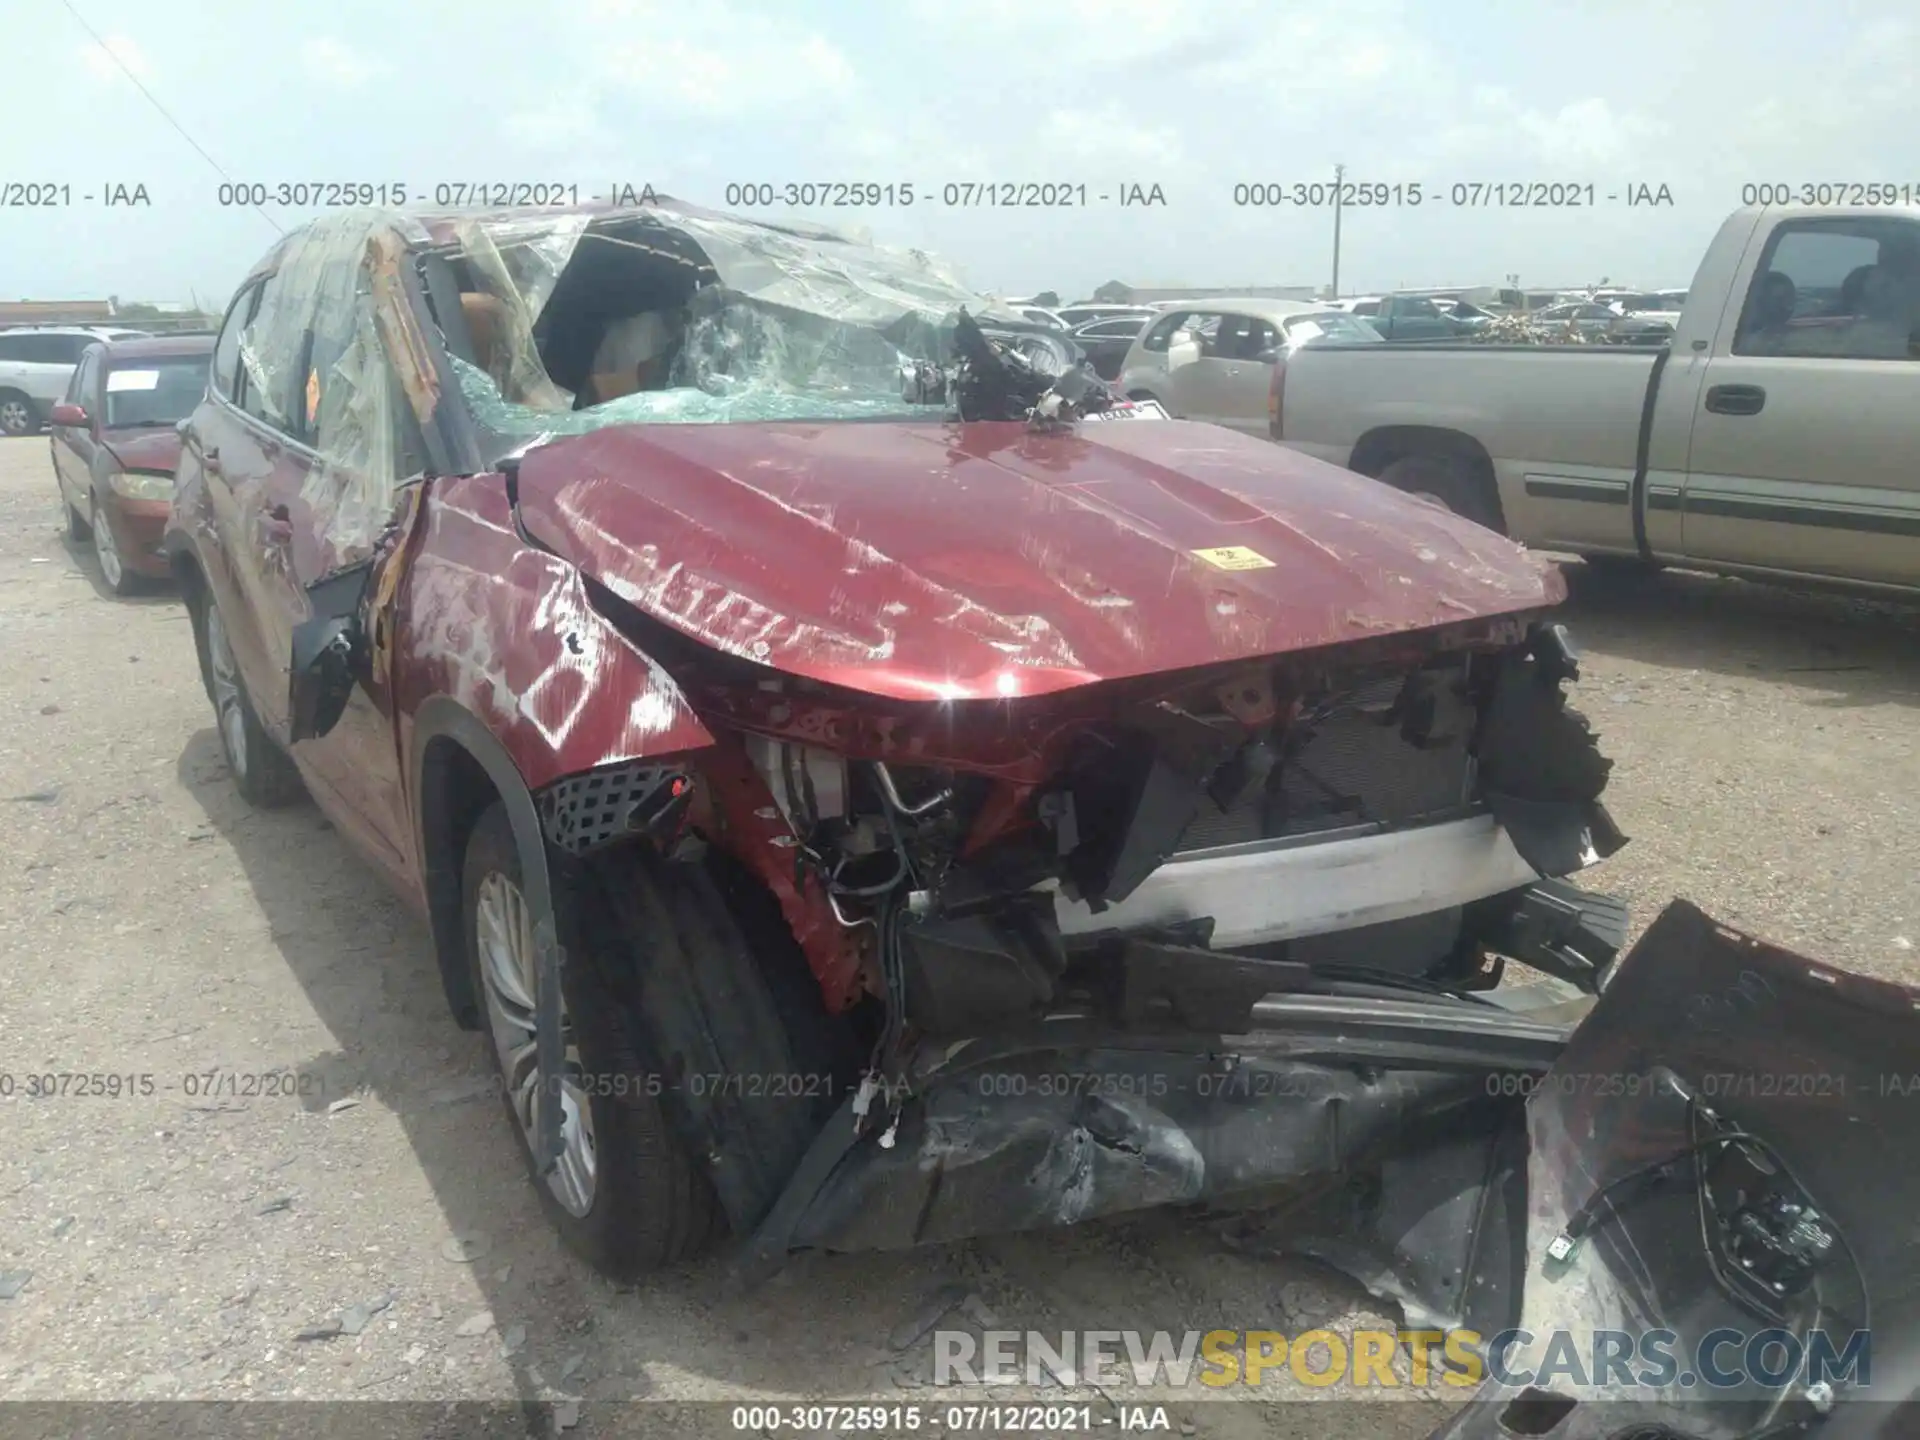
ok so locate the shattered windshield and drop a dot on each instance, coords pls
(683, 317)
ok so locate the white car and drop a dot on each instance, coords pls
(1040, 315)
(1213, 360)
(35, 365)
(1078, 315)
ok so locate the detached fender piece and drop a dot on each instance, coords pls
(1726, 1149)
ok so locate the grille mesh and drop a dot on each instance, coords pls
(1357, 758)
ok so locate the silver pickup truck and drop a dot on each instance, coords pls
(1777, 434)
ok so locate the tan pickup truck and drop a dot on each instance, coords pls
(1777, 435)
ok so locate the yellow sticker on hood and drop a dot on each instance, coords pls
(1234, 557)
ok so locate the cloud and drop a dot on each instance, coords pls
(337, 63)
(563, 123)
(1106, 135)
(641, 51)
(115, 58)
(1580, 139)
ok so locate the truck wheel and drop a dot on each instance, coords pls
(1449, 481)
(263, 773)
(17, 415)
(625, 1195)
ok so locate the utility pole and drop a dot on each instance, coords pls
(1339, 175)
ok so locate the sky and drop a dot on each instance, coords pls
(1193, 96)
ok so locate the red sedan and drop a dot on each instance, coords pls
(115, 447)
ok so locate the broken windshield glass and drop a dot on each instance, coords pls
(677, 316)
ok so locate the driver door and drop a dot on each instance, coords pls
(1186, 383)
(1226, 384)
(1244, 383)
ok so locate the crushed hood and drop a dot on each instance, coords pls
(944, 561)
(145, 449)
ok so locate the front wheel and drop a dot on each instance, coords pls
(624, 1195)
(106, 550)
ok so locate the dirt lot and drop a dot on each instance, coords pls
(181, 1239)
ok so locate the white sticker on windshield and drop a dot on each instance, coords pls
(132, 380)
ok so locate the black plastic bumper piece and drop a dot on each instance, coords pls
(1564, 931)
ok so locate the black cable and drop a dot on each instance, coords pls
(107, 50)
(1584, 1219)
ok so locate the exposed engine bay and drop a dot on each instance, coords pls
(991, 888)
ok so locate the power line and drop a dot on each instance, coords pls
(199, 149)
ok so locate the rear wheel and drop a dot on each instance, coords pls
(1450, 482)
(262, 772)
(625, 1194)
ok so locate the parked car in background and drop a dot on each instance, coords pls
(830, 732)
(1773, 437)
(36, 364)
(1586, 316)
(1466, 313)
(1040, 315)
(1213, 361)
(115, 447)
(1411, 317)
(1105, 342)
(1645, 318)
(1077, 315)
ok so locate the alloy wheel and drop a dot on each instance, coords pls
(505, 929)
(15, 417)
(105, 550)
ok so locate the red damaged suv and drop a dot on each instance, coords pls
(862, 807)
(872, 785)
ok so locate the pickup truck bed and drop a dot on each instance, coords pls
(1777, 450)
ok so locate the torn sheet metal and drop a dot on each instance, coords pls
(986, 1145)
(508, 632)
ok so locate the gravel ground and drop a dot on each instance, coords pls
(183, 1239)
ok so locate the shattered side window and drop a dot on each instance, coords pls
(325, 339)
(516, 265)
